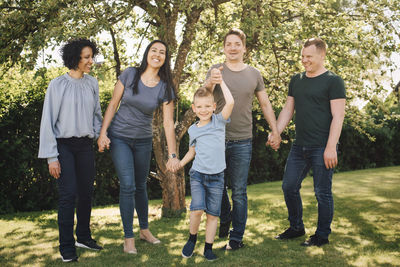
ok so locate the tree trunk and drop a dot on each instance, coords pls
(172, 184)
(173, 193)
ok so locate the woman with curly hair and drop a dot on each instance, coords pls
(137, 93)
(71, 118)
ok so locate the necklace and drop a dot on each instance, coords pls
(151, 81)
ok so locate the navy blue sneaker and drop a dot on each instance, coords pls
(187, 250)
(209, 255)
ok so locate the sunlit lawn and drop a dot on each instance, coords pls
(365, 230)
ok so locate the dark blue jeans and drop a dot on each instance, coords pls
(238, 157)
(76, 157)
(299, 162)
(131, 159)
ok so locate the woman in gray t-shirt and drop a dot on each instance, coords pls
(127, 131)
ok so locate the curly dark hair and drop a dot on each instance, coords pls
(164, 72)
(71, 51)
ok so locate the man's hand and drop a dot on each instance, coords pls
(216, 75)
(55, 169)
(173, 165)
(330, 158)
(274, 140)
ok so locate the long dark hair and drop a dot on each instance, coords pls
(164, 71)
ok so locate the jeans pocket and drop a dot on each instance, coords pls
(191, 172)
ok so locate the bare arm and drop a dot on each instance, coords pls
(286, 114)
(104, 141)
(169, 128)
(274, 140)
(188, 157)
(229, 102)
(337, 110)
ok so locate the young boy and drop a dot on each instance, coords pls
(207, 146)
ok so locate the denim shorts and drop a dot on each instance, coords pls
(206, 191)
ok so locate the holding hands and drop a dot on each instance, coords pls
(173, 165)
(216, 75)
(103, 142)
(274, 141)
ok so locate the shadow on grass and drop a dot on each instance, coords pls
(365, 231)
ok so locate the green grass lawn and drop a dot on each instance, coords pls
(365, 230)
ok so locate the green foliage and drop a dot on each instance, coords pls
(25, 183)
(360, 35)
(358, 151)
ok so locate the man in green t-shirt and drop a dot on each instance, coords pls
(317, 97)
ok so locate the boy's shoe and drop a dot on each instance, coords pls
(209, 255)
(69, 257)
(315, 240)
(224, 229)
(89, 244)
(233, 245)
(187, 250)
(290, 233)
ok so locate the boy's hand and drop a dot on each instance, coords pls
(173, 165)
(216, 75)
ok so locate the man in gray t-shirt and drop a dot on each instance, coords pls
(244, 82)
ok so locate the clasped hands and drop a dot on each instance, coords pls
(216, 75)
(274, 141)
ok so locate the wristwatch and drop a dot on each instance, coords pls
(172, 156)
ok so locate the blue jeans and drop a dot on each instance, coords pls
(299, 162)
(131, 159)
(206, 190)
(76, 157)
(238, 157)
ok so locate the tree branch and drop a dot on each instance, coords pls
(185, 123)
(16, 8)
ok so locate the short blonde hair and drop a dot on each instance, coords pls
(202, 92)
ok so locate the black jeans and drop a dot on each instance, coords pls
(76, 157)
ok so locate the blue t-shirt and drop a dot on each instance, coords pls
(209, 143)
(135, 114)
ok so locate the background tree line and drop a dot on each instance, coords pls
(361, 35)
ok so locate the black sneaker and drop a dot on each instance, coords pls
(315, 240)
(233, 245)
(209, 255)
(187, 250)
(69, 257)
(90, 244)
(224, 229)
(290, 233)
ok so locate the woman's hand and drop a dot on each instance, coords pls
(55, 169)
(173, 165)
(103, 142)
